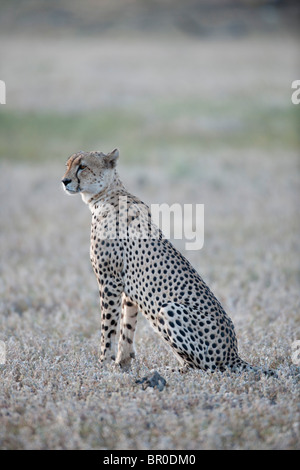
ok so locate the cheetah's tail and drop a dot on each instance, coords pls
(240, 366)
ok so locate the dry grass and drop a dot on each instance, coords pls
(53, 395)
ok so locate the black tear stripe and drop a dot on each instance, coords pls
(78, 180)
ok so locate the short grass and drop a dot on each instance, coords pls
(53, 394)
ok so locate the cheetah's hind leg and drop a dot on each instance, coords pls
(174, 325)
(126, 351)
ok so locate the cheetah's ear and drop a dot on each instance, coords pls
(111, 158)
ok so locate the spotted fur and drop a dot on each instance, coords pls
(146, 274)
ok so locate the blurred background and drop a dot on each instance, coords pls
(163, 80)
(196, 94)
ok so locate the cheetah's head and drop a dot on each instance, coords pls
(89, 173)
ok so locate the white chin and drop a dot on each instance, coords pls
(86, 197)
(71, 191)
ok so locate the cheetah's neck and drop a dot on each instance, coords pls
(105, 195)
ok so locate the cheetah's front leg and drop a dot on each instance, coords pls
(126, 350)
(110, 304)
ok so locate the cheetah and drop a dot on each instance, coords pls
(138, 269)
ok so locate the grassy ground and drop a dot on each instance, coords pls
(199, 130)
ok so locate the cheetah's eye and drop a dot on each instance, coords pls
(81, 167)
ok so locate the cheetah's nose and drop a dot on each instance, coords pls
(66, 181)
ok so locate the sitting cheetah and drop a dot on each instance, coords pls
(138, 269)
